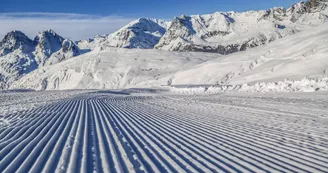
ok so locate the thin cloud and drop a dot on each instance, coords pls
(68, 25)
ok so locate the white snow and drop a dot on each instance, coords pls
(13, 101)
(150, 110)
(304, 85)
(143, 33)
(234, 31)
(104, 131)
(19, 55)
(110, 68)
(294, 57)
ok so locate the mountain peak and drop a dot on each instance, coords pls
(15, 35)
(48, 33)
(142, 33)
(14, 40)
(229, 32)
(48, 42)
(310, 6)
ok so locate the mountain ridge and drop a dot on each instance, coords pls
(229, 32)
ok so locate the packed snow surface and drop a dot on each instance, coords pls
(123, 131)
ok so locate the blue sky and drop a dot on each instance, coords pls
(81, 19)
(138, 8)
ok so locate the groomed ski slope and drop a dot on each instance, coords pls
(109, 131)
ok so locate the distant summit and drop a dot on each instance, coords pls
(229, 32)
(15, 40)
(143, 33)
(220, 32)
(20, 55)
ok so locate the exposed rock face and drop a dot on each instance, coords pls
(68, 49)
(313, 6)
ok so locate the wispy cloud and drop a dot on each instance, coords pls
(68, 25)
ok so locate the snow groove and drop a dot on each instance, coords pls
(102, 132)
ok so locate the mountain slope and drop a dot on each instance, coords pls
(220, 32)
(294, 57)
(110, 68)
(231, 32)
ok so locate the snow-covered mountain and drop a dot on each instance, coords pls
(220, 33)
(52, 48)
(15, 40)
(143, 33)
(294, 57)
(16, 57)
(20, 55)
(228, 32)
(304, 54)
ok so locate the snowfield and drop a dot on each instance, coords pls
(111, 68)
(139, 131)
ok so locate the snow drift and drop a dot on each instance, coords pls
(287, 85)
